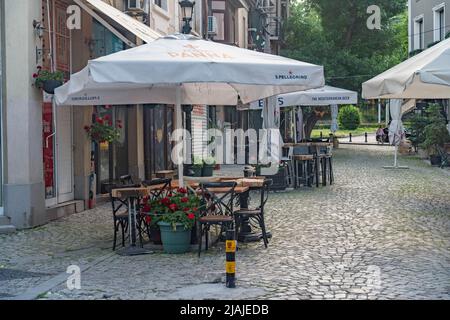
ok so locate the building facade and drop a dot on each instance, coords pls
(51, 168)
(429, 23)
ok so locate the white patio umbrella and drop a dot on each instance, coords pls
(182, 69)
(424, 76)
(323, 96)
(334, 118)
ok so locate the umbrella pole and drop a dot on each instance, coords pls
(294, 110)
(179, 126)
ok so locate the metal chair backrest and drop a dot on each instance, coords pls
(218, 203)
(164, 187)
(126, 180)
(117, 203)
(265, 193)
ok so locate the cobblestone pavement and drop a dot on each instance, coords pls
(375, 234)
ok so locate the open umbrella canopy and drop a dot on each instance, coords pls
(424, 76)
(205, 72)
(323, 96)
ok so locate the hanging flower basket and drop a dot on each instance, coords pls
(103, 130)
(48, 81)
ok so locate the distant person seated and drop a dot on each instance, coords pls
(380, 135)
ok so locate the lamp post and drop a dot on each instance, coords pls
(187, 10)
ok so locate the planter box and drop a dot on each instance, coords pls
(207, 171)
(279, 180)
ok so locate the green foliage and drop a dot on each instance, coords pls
(103, 130)
(197, 162)
(417, 126)
(334, 34)
(349, 117)
(43, 75)
(435, 132)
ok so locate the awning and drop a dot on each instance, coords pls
(140, 30)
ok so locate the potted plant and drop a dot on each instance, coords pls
(48, 81)
(208, 167)
(197, 167)
(176, 215)
(435, 133)
(103, 130)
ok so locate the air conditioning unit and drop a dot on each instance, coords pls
(136, 5)
(212, 25)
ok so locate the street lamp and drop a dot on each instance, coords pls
(187, 10)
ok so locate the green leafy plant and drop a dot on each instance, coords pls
(435, 132)
(43, 75)
(349, 117)
(178, 207)
(197, 162)
(103, 130)
(209, 161)
(417, 126)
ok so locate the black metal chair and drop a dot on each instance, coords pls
(162, 187)
(257, 214)
(217, 209)
(120, 216)
(126, 180)
(120, 211)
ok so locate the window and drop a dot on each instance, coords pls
(418, 33)
(162, 4)
(439, 22)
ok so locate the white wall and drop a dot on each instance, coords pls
(23, 116)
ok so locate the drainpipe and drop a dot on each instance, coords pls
(2, 42)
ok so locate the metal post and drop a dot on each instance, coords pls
(179, 126)
(379, 110)
(365, 135)
(231, 245)
(321, 135)
(350, 136)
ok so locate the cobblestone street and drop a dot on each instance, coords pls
(375, 234)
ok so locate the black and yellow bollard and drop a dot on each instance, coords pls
(230, 247)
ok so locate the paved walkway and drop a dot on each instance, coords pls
(375, 234)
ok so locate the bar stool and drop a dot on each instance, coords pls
(288, 165)
(326, 163)
(303, 165)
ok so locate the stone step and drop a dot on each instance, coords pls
(65, 209)
(5, 226)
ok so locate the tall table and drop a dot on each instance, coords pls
(132, 196)
(316, 146)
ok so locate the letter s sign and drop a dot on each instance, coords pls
(280, 102)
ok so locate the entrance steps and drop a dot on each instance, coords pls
(65, 209)
(5, 226)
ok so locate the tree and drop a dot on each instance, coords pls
(334, 33)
